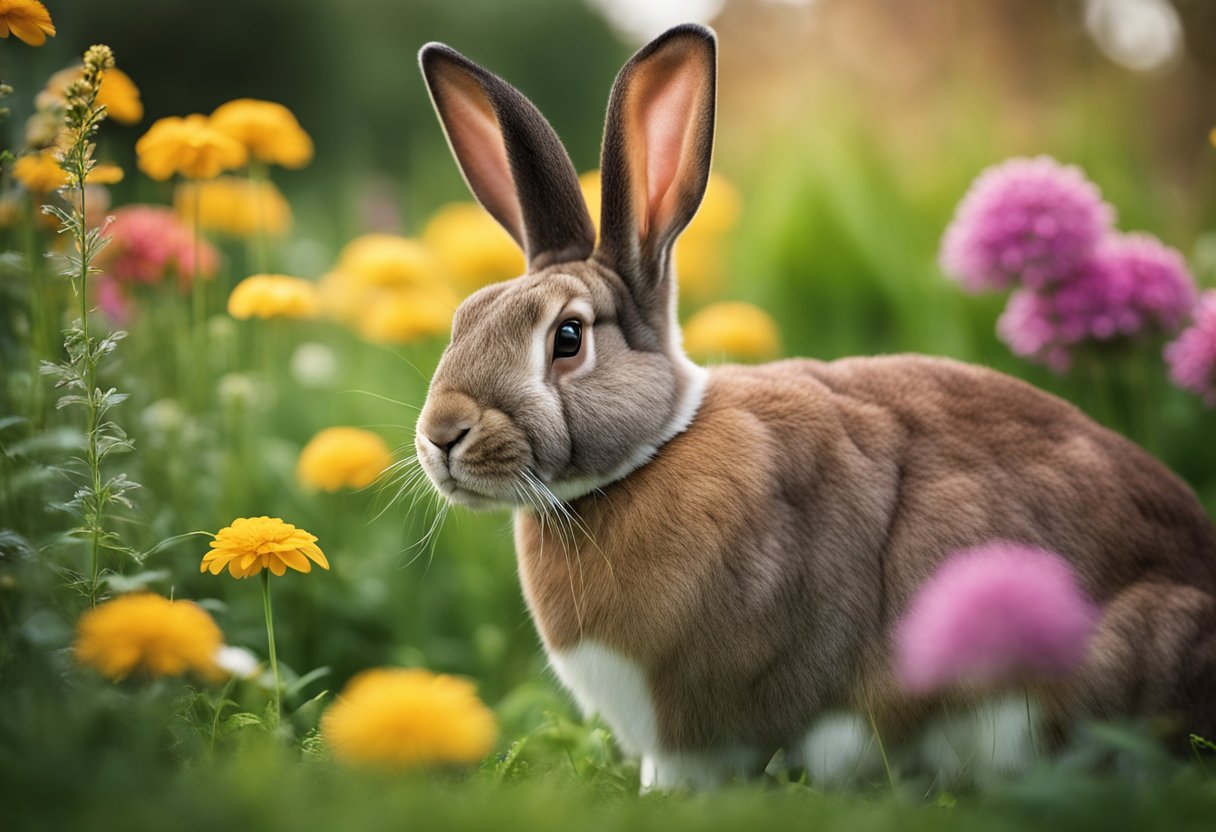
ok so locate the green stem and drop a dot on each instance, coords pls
(261, 246)
(90, 374)
(196, 293)
(882, 750)
(274, 661)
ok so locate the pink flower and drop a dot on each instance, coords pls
(1027, 221)
(1130, 284)
(148, 242)
(994, 614)
(1192, 356)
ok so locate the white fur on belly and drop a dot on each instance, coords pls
(606, 683)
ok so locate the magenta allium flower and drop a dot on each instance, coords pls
(1131, 283)
(1192, 356)
(148, 242)
(994, 614)
(1027, 221)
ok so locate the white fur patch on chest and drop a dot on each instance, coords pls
(608, 684)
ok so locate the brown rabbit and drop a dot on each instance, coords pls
(727, 549)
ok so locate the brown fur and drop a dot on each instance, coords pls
(748, 536)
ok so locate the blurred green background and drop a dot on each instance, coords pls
(850, 128)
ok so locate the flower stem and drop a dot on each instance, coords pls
(274, 661)
(196, 294)
(90, 367)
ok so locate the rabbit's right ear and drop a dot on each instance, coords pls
(511, 159)
(658, 141)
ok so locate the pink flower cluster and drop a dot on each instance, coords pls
(1043, 228)
(1025, 221)
(1192, 357)
(147, 244)
(993, 615)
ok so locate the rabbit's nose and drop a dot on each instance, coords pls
(446, 421)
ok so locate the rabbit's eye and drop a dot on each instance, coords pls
(568, 340)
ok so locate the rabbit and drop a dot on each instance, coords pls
(715, 558)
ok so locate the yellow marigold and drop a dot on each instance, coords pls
(27, 19)
(733, 330)
(402, 316)
(339, 458)
(189, 146)
(273, 296)
(269, 131)
(234, 206)
(405, 718)
(41, 174)
(252, 544)
(471, 246)
(145, 632)
(118, 93)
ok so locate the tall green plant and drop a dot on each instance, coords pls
(77, 375)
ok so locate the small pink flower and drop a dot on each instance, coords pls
(1192, 356)
(148, 242)
(1026, 222)
(994, 614)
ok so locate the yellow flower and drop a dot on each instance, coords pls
(268, 131)
(118, 93)
(589, 182)
(339, 458)
(27, 19)
(273, 296)
(149, 633)
(234, 206)
(734, 330)
(388, 260)
(390, 288)
(471, 246)
(404, 718)
(40, 173)
(405, 315)
(252, 544)
(189, 146)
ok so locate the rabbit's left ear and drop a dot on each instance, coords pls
(511, 158)
(658, 141)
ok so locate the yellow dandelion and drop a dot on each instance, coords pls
(406, 718)
(234, 206)
(273, 296)
(471, 246)
(118, 93)
(339, 458)
(148, 633)
(27, 19)
(189, 146)
(252, 544)
(403, 316)
(40, 173)
(732, 330)
(589, 182)
(269, 131)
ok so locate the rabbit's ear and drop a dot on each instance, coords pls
(511, 159)
(657, 146)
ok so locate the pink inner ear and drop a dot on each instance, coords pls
(667, 121)
(477, 141)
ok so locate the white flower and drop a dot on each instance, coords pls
(314, 365)
(238, 661)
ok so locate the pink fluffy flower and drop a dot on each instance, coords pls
(1024, 221)
(148, 242)
(1130, 284)
(994, 614)
(1192, 356)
